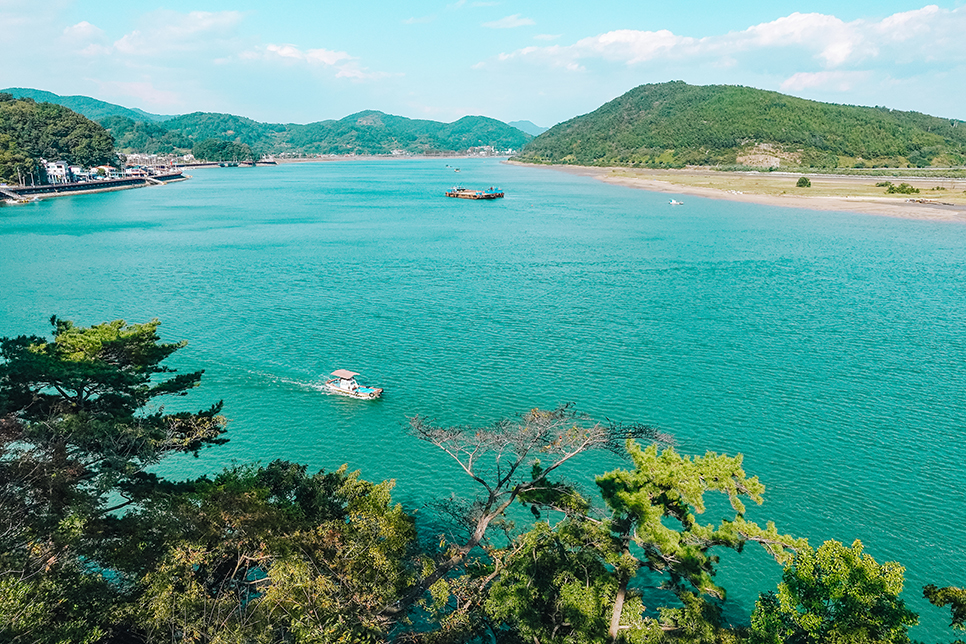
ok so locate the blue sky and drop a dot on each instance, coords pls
(543, 61)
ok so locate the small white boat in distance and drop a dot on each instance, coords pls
(345, 384)
(676, 203)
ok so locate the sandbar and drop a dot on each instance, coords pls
(939, 199)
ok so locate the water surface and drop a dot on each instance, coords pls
(825, 347)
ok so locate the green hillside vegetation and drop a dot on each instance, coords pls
(144, 137)
(218, 150)
(364, 133)
(85, 105)
(373, 132)
(30, 131)
(675, 124)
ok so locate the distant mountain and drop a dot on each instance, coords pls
(90, 107)
(368, 132)
(364, 133)
(676, 124)
(528, 126)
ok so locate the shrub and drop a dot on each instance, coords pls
(804, 182)
(902, 189)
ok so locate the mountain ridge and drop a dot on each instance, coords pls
(675, 124)
(365, 132)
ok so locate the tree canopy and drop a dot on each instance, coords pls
(675, 124)
(30, 131)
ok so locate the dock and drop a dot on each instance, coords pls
(20, 193)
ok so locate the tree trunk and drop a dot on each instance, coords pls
(615, 617)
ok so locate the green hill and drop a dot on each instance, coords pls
(372, 132)
(85, 105)
(364, 133)
(675, 124)
(30, 131)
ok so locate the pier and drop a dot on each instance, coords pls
(79, 187)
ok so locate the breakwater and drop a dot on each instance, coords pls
(26, 192)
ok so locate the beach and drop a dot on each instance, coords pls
(941, 199)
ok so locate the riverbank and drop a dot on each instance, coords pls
(940, 199)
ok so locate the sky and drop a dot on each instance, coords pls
(545, 61)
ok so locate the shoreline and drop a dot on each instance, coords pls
(36, 193)
(842, 193)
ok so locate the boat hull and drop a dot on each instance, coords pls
(474, 194)
(362, 393)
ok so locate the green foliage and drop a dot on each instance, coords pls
(556, 586)
(950, 596)
(657, 502)
(30, 131)
(834, 595)
(373, 132)
(75, 436)
(218, 150)
(265, 553)
(804, 182)
(92, 108)
(64, 605)
(145, 137)
(883, 184)
(902, 189)
(675, 124)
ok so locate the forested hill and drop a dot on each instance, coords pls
(30, 131)
(85, 105)
(367, 132)
(676, 124)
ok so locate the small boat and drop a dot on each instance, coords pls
(345, 384)
(465, 193)
(676, 203)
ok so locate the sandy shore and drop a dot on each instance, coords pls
(827, 192)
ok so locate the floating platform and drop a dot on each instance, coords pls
(466, 193)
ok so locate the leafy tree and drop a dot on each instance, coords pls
(654, 507)
(218, 150)
(273, 554)
(834, 594)
(950, 596)
(804, 182)
(502, 459)
(75, 439)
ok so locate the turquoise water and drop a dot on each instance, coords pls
(826, 347)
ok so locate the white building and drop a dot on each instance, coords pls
(57, 171)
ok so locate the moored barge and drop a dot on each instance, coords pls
(466, 193)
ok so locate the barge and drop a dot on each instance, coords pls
(466, 193)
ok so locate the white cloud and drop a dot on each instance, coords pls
(326, 57)
(170, 32)
(923, 35)
(83, 31)
(835, 81)
(345, 65)
(509, 22)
